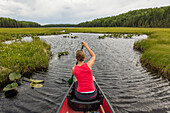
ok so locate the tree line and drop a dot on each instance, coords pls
(152, 17)
(12, 23)
(60, 25)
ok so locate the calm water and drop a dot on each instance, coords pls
(128, 86)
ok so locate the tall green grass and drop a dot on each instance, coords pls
(24, 57)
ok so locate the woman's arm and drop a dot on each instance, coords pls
(72, 70)
(93, 57)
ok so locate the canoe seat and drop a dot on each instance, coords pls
(79, 105)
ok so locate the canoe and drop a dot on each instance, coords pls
(72, 105)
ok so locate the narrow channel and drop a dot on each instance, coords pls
(128, 86)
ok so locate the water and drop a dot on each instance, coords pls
(128, 86)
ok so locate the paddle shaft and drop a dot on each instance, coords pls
(101, 107)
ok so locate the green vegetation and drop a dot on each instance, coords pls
(152, 17)
(117, 35)
(13, 77)
(12, 23)
(24, 57)
(156, 56)
(73, 37)
(36, 83)
(62, 53)
(101, 37)
(14, 33)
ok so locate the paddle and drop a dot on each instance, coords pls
(70, 81)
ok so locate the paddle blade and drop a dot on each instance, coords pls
(70, 81)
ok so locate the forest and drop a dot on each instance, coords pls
(12, 23)
(60, 25)
(152, 17)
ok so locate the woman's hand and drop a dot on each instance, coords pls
(85, 44)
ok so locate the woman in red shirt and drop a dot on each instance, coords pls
(85, 87)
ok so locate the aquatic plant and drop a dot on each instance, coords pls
(74, 37)
(13, 77)
(36, 83)
(101, 37)
(12, 86)
(64, 36)
(62, 53)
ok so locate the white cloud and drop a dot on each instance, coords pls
(71, 11)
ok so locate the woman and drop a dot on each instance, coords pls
(85, 87)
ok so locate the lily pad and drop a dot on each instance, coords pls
(17, 76)
(36, 81)
(36, 85)
(14, 76)
(10, 86)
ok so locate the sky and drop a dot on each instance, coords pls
(71, 11)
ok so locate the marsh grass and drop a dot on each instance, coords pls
(13, 33)
(24, 57)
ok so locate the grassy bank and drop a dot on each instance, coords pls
(24, 57)
(156, 56)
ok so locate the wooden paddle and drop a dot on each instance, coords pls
(70, 81)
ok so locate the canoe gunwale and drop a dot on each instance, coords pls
(104, 96)
(64, 98)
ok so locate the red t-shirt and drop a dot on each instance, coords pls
(84, 77)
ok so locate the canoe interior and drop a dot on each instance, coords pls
(67, 109)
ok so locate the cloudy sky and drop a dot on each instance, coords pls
(71, 11)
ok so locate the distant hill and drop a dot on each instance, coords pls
(152, 17)
(12, 23)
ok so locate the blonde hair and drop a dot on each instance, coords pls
(80, 55)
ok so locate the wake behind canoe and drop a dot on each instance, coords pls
(72, 105)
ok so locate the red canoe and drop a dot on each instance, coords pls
(72, 105)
